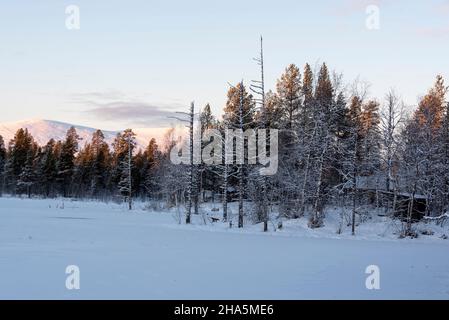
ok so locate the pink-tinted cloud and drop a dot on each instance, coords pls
(436, 32)
(443, 7)
(138, 113)
(116, 106)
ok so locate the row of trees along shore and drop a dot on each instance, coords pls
(337, 147)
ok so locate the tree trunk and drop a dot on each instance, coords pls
(130, 206)
(316, 221)
(240, 167)
(225, 194)
(304, 186)
(190, 188)
(240, 223)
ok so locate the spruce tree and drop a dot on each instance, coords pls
(27, 177)
(81, 177)
(66, 161)
(2, 164)
(288, 98)
(370, 138)
(239, 114)
(206, 177)
(46, 169)
(18, 151)
(124, 146)
(308, 98)
(152, 157)
(100, 165)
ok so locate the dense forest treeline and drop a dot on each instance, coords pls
(336, 146)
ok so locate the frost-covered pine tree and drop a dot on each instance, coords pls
(239, 115)
(46, 169)
(370, 138)
(18, 150)
(27, 177)
(2, 164)
(322, 144)
(306, 133)
(100, 164)
(66, 161)
(207, 179)
(289, 107)
(152, 162)
(125, 185)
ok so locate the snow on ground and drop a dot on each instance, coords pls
(147, 255)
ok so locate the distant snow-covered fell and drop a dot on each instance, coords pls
(44, 130)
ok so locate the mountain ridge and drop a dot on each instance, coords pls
(43, 130)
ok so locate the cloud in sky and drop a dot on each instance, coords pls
(437, 32)
(443, 7)
(117, 107)
(441, 10)
(134, 113)
(99, 95)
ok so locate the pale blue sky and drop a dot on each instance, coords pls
(142, 58)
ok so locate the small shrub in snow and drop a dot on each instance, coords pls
(409, 234)
(154, 206)
(339, 229)
(315, 223)
(280, 225)
(427, 232)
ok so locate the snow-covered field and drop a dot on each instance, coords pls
(147, 255)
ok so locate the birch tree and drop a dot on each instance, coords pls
(392, 116)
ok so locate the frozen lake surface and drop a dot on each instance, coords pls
(147, 255)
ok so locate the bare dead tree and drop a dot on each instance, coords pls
(191, 187)
(191, 182)
(258, 87)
